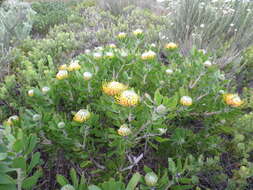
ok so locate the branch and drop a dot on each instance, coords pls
(97, 164)
(192, 85)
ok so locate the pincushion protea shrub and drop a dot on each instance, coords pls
(84, 118)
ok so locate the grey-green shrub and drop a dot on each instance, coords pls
(16, 22)
(15, 25)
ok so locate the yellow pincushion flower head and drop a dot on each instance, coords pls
(148, 55)
(186, 100)
(171, 46)
(74, 66)
(233, 100)
(122, 35)
(128, 98)
(63, 67)
(62, 74)
(113, 88)
(124, 130)
(82, 116)
(12, 119)
(137, 32)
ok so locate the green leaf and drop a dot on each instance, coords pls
(35, 160)
(30, 182)
(20, 162)
(5, 179)
(172, 166)
(171, 103)
(158, 97)
(74, 177)
(61, 180)
(8, 187)
(185, 180)
(93, 187)
(82, 184)
(31, 144)
(3, 156)
(179, 165)
(161, 140)
(4, 168)
(84, 164)
(182, 187)
(134, 181)
(147, 169)
(18, 145)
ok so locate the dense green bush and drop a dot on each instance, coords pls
(165, 106)
(49, 14)
(106, 100)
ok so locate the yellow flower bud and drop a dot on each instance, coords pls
(148, 55)
(74, 66)
(137, 32)
(62, 74)
(87, 75)
(31, 93)
(63, 67)
(45, 89)
(151, 179)
(82, 116)
(207, 63)
(169, 71)
(12, 119)
(171, 46)
(122, 35)
(186, 101)
(124, 130)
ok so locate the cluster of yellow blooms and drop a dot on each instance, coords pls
(63, 69)
(123, 35)
(233, 100)
(123, 96)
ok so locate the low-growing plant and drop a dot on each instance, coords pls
(18, 161)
